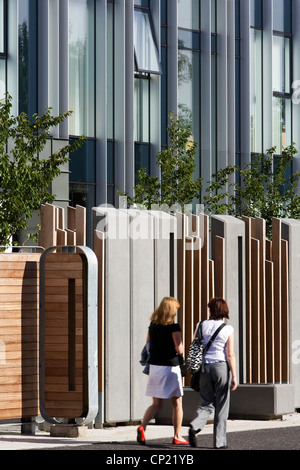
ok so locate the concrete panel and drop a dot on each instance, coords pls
(291, 233)
(114, 224)
(139, 258)
(141, 233)
(262, 401)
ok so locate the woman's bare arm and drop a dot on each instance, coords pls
(231, 360)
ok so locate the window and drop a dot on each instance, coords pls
(142, 109)
(82, 180)
(189, 14)
(2, 27)
(2, 48)
(164, 76)
(28, 57)
(2, 78)
(189, 81)
(256, 90)
(81, 67)
(281, 64)
(110, 70)
(282, 74)
(256, 13)
(282, 16)
(282, 123)
(146, 54)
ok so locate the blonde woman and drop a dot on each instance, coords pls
(165, 379)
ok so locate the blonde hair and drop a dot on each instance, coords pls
(165, 313)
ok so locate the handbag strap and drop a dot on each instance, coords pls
(213, 337)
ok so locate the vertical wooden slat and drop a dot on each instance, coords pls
(270, 320)
(181, 234)
(219, 261)
(194, 232)
(71, 237)
(204, 235)
(197, 280)
(49, 226)
(248, 308)
(276, 257)
(255, 282)
(80, 225)
(211, 277)
(258, 228)
(189, 294)
(269, 250)
(284, 311)
(71, 214)
(61, 237)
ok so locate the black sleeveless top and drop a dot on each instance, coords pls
(162, 347)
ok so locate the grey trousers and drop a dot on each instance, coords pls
(215, 393)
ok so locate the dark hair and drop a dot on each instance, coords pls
(218, 308)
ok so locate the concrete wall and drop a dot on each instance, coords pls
(291, 233)
(137, 276)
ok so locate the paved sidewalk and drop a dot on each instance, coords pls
(12, 439)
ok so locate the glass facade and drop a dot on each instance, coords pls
(148, 44)
(189, 14)
(141, 109)
(189, 79)
(2, 30)
(2, 48)
(282, 74)
(281, 64)
(28, 57)
(256, 112)
(282, 15)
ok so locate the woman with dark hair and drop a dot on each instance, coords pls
(215, 380)
(165, 381)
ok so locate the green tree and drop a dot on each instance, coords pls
(25, 178)
(267, 188)
(177, 185)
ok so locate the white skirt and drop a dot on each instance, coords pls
(164, 382)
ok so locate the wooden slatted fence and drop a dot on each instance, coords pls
(266, 278)
(19, 300)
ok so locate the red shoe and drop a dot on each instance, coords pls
(177, 441)
(141, 435)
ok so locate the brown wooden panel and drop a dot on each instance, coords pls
(205, 285)
(255, 304)
(211, 278)
(258, 228)
(181, 249)
(284, 311)
(189, 294)
(219, 260)
(276, 258)
(19, 335)
(197, 280)
(270, 320)
(247, 222)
